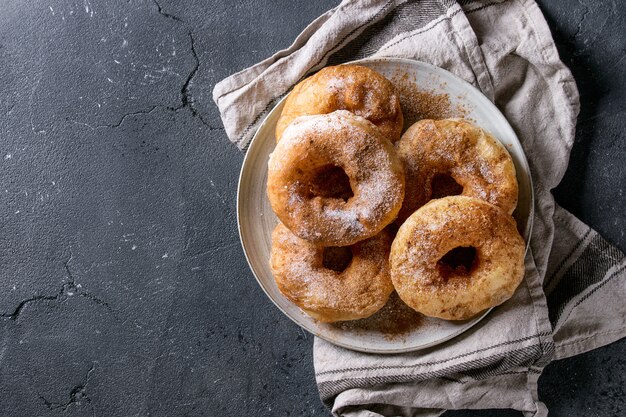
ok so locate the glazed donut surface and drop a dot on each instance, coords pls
(454, 156)
(328, 295)
(429, 279)
(315, 145)
(357, 89)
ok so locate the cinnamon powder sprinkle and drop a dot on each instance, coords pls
(420, 104)
(394, 320)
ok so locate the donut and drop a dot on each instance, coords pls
(312, 147)
(333, 283)
(451, 157)
(455, 257)
(358, 89)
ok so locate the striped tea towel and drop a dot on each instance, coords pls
(572, 298)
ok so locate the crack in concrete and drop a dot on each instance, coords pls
(586, 11)
(66, 265)
(186, 98)
(124, 116)
(169, 16)
(69, 288)
(78, 394)
(15, 314)
(82, 293)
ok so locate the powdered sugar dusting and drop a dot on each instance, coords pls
(352, 143)
(339, 83)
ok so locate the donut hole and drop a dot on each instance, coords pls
(336, 258)
(330, 181)
(443, 185)
(458, 262)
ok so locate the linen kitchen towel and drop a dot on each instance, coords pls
(571, 300)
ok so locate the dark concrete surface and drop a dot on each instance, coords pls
(123, 288)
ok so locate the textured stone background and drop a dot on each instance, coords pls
(123, 287)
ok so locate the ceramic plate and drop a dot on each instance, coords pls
(256, 219)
